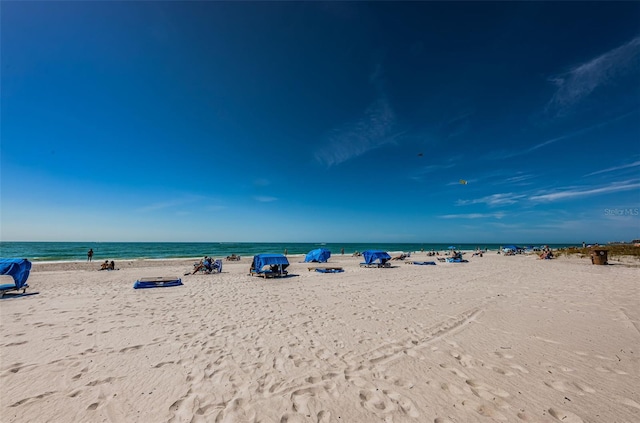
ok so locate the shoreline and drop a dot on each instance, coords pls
(141, 262)
(71, 251)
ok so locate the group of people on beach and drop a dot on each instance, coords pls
(108, 265)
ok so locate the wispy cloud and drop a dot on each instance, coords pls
(458, 125)
(503, 199)
(498, 215)
(581, 131)
(518, 179)
(264, 198)
(613, 169)
(373, 130)
(584, 78)
(422, 171)
(577, 192)
(500, 155)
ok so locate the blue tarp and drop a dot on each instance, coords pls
(456, 260)
(158, 282)
(372, 256)
(319, 255)
(262, 260)
(18, 269)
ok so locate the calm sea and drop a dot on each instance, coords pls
(77, 251)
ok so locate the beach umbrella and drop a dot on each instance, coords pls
(451, 247)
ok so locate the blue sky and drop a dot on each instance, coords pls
(320, 122)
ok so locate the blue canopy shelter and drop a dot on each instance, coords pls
(19, 270)
(375, 258)
(319, 255)
(269, 265)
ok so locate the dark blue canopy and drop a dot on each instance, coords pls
(512, 247)
(320, 255)
(261, 260)
(371, 256)
(17, 268)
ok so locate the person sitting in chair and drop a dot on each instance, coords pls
(105, 265)
(204, 264)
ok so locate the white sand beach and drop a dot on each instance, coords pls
(497, 339)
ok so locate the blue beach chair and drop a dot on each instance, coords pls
(19, 270)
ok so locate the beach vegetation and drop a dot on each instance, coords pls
(614, 251)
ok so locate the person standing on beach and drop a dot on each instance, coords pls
(90, 254)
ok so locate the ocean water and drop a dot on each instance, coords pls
(77, 251)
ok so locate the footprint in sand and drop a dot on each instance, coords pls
(628, 402)
(479, 386)
(451, 388)
(503, 355)
(501, 371)
(465, 360)
(565, 386)
(306, 401)
(519, 368)
(565, 416)
(454, 371)
(13, 344)
(484, 410)
(604, 369)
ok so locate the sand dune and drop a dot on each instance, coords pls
(496, 339)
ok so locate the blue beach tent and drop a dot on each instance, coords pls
(375, 258)
(319, 255)
(19, 270)
(269, 265)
